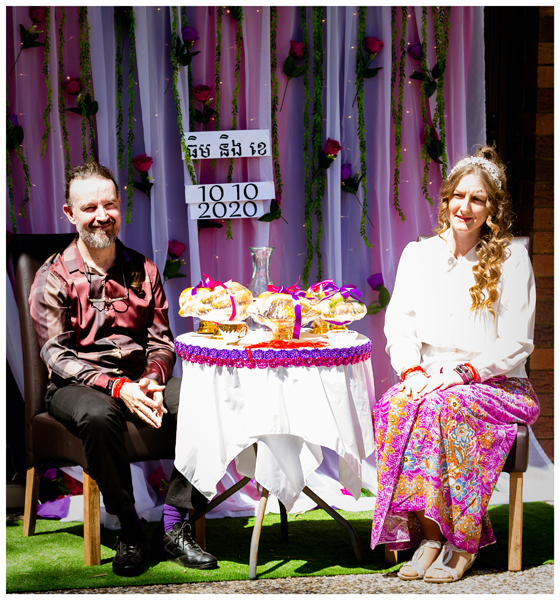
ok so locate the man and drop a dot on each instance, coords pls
(101, 317)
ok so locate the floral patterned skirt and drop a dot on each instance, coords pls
(444, 455)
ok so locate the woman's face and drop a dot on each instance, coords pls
(467, 207)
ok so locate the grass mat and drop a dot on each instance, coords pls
(317, 546)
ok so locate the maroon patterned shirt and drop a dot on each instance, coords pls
(89, 344)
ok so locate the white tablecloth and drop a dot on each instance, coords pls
(288, 412)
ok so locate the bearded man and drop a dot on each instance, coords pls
(102, 320)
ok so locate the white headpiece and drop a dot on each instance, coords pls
(481, 162)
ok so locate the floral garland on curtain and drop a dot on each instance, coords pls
(275, 205)
(14, 140)
(175, 69)
(125, 23)
(237, 14)
(48, 82)
(397, 108)
(306, 143)
(61, 100)
(88, 107)
(441, 33)
(360, 72)
(189, 75)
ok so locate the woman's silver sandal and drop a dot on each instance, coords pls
(441, 563)
(414, 562)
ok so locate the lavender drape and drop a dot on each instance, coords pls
(165, 216)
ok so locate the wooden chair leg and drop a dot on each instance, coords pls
(199, 531)
(31, 501)
(391, 556)
(92, 522)
(515, 521)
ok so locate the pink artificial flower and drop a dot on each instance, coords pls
(202, 92)
(175, 248)
(332, 147)
(72, 86)
(296, 49)
(373, 45)
(142, 163)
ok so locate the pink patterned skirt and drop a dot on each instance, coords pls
(444, 455)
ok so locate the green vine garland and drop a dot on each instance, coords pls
(306, 143)
(175, 69)
(217, 77)
(14, 139)
(48, 82)
(131, 102)
(239, 15)
(85, 81)
(441, 34)
(427, 131)
(118, 16)
(11, 193)
(362, 14)
(397, 108)
(61, 101)
(274, 109)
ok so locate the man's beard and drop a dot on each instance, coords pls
(98, 239)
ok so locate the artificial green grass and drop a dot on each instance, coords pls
(317, 546)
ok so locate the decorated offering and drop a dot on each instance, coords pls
(283, 310)
(337, 306)
(233, 331)
(215, 301)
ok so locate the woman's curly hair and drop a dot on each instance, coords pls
(496, 233)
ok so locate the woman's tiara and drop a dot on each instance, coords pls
(481, 162)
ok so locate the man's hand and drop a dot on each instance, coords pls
(144, 399)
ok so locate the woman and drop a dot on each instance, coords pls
(459, 330)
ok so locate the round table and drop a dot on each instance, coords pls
(271, 410)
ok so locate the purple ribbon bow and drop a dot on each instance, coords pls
(295, 293)
(209, 283)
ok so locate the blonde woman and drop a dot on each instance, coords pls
(459, 329)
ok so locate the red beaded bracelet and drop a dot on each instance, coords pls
(408, 372)
(474, 372)
(116, 391)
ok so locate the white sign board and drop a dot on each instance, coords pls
(227, 210)
(229, 192)
(251, 143)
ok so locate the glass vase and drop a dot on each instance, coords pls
(261, 277)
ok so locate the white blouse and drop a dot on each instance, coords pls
(429, 321)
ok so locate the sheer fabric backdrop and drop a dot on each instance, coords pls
(164, 216)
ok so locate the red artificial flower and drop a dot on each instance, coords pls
(202, 92)
(296, 49)
(375, 281)
(175, 248)
(415, 51)
(37, 13)
(373, 45)
(142, 162)
(72, 86)
(332, 147)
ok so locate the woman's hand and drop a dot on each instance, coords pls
(441, 381)
(149, 409)
(414, 385)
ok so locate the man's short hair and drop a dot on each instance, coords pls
(86, 171)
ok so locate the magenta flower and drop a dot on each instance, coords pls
(332, 147)
(142, 163)
(72, 86)
(415, 51)
(202, 93)
(37, 13)
(175, 248)
(346, 171)
(190, 35)
(375, 281)
(14, 120)
(373, 45)
(296, 49)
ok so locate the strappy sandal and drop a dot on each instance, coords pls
(441, 563)
(414, 562)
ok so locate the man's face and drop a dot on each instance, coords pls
(95, 211)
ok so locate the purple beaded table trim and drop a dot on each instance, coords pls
(263, 358)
